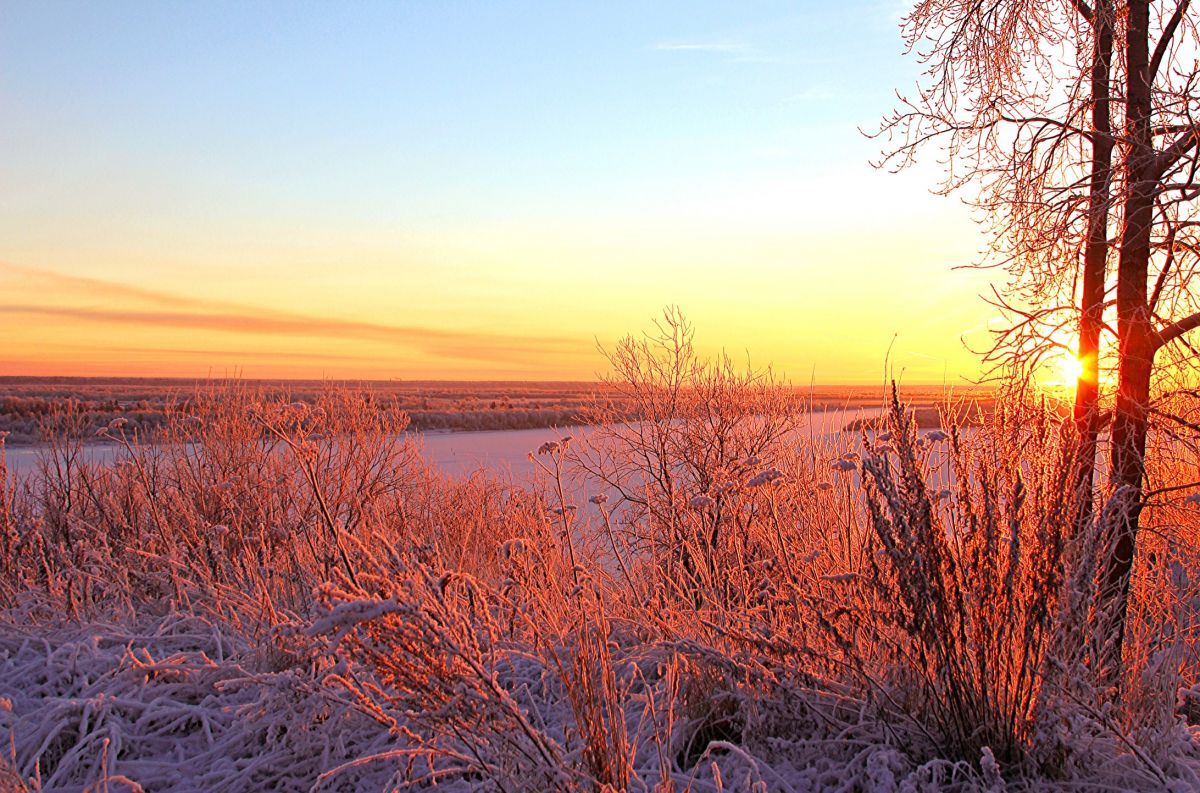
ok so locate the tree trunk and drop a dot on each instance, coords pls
(1137, 345)
(1095, 263)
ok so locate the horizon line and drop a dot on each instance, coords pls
(395, 380)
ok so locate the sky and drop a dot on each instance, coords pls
(468, 190)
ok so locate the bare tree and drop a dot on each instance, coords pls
(1074, 121)
(1157, 145)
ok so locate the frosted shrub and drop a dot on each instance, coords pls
(435, 658)
(949, 622)
(688, 468)
(237, 493)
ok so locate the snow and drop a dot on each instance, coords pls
(187, 703)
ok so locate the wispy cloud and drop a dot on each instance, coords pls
(214, 354)
(98, 288)
(726, 51)
(727, 48)
(812, 94)
(158, 309)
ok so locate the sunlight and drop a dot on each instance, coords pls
(1072, 370)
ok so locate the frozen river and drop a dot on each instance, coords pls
(454, 452)
(461, 453)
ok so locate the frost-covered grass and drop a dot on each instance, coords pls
(281, 596)
(175, 702)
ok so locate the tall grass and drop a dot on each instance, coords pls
(744, 604)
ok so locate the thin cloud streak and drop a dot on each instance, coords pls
(171, 310)
(96, 287)
(731, 52)
(477, 347)
(718, 47)
(215, 355)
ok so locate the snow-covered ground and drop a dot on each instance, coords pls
(190, 704)
(443, 632)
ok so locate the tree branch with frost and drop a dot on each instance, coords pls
(1177, 329)
(1184, 141)
(1180, 420)
(1168, 33)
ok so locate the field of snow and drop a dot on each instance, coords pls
(334, 611)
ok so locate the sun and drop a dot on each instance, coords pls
(1072, 370)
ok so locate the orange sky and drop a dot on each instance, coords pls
(820, 299)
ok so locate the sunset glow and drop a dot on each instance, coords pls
(183, 201)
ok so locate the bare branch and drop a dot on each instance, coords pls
(1176, 329)
(1168, 33)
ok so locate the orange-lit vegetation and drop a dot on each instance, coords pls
(428, 405)
(284, 596)
(32, 406)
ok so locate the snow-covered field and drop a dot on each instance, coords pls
(330, 611)
(186, 703)
(501, 452)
